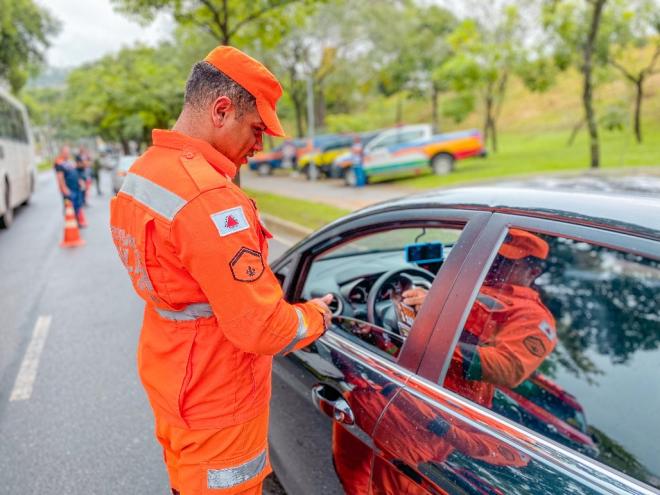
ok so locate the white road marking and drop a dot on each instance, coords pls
(28, 373)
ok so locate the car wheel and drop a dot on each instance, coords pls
(264, 169)
(442, 164)
(8, 216)
(350, 178)
(312, 172)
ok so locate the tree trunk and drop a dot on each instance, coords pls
(493, 135)
(587, 94)
(639, 88)
(398, 117)
(124, 144)
(574, 133)
(319, 103)
(299, 111)
(489, 124)
(434, 109)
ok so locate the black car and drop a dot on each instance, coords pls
(532, 365)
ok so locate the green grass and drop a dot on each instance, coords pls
(44, 165)
(534, 153)
(306, 213)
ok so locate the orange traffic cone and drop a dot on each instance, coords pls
(82, 220)
(71, 232)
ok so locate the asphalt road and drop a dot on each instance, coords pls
(86, 427)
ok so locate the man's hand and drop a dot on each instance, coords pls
(322, 303)
(414, 297)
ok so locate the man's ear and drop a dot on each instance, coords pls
(220, 109)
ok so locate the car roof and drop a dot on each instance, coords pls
(616, 209)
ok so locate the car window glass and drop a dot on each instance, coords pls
(564, 338)
(383, 141)
(406, 137)
(368, 276)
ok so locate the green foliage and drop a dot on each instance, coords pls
(122, 97)
(225, 20)
(25, 33)
(614, 117)
(459, 106)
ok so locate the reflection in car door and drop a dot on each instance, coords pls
(331, 452)
(431, 440)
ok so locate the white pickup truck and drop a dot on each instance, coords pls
(411, 150)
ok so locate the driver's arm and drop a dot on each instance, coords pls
(415, 297)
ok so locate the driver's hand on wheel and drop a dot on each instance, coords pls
(322, 304)
(414, 297)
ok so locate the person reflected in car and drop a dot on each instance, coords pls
(509, 331)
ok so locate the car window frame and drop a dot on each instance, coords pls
(472, 224)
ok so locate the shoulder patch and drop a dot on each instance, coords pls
(535, 346)
(247, 265)
(230, 221)
(547, 330)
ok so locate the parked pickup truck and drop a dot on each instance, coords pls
(414, 150)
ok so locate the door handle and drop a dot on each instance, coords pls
(330, 403)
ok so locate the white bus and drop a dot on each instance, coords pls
(17, 172)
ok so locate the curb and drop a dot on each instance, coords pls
(284, 228)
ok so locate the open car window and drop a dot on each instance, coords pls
(368, 277)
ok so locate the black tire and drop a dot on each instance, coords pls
(442, 164)
(264, 169)
(7, 218)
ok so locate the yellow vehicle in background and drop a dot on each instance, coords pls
(318, 162)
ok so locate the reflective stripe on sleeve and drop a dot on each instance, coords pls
(189, 313)
(152, 195)
(231, 477)
(301, 333)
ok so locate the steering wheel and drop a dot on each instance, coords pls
(381, 312)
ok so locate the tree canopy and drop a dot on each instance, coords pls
(25, 33)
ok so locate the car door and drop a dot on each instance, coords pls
(578, 416)
(328, 397)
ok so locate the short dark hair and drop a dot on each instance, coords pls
(206, 83)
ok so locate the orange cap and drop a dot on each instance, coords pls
(255, 78)
(520, 244)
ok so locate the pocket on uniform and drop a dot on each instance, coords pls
(165, 363)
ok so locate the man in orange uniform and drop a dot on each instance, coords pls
(197, 252)
(509, 331)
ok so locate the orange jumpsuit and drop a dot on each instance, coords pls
(508, 334)
(196, 252)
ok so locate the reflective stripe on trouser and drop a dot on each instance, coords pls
(301, 333)
(227, 461)
(234, 476)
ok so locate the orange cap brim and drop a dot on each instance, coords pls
(269, 117)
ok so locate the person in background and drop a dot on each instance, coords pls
(68, 178)
(96, 174)
(83, 164)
